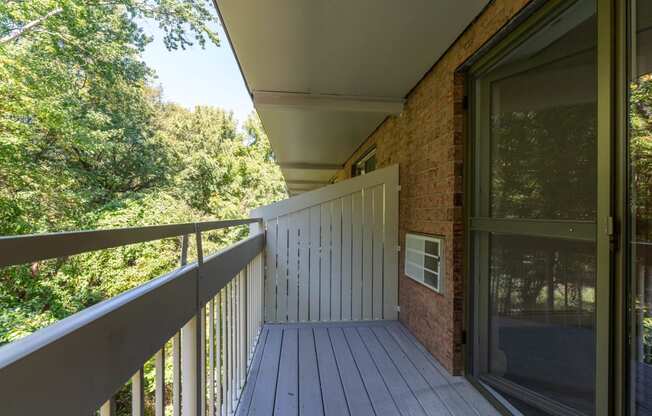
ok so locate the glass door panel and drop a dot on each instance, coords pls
(640, 208)
(535, 185)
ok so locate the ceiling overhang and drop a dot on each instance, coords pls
(324, 74)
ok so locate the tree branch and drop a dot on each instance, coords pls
(31, 25)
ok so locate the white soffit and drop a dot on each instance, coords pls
(325, 73)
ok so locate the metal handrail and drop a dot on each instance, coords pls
(34, 247)
(74, 365)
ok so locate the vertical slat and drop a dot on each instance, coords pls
(356, 256)
(236, 336)
(229, 349)
(377, 254)
(190, 369)
(270, 272)
(225, 350)
(304, 264)
(232, 359)
(367, 250)
(282, 270)
(390, 258)
(176, 374)
(210, 383)
(250, 295)
(336, 260)
(138, 394)
(202, 360)
(261, 288)
(218, 352)
(108, 408)
(243, 327)
(293, 267)
(159, 388)
(346, 258)
(315, 247)
(325, 280)
(176, 346)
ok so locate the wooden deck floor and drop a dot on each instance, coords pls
(357, 369)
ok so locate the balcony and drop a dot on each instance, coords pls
(298, 318)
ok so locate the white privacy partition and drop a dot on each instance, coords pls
(332, 254)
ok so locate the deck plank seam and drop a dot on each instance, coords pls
(339, 374)
(321, 392)
(278, 371)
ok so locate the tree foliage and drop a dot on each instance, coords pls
(86, 142)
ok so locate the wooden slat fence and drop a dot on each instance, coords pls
(331, 254)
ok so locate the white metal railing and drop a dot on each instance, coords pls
(211, 310)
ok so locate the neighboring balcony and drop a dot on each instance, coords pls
(300, 318)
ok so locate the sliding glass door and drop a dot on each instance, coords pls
(533, 217)
(639, 162)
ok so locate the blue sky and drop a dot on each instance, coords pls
(198, 76)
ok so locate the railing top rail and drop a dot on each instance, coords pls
(80, 361)
(34, 247)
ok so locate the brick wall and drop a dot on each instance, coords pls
(427, 141)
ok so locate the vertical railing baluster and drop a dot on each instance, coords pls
(176, 346)
(191, 347)
(176, 374)
(138, 394)
(211, 358)
(108, 408)
(202, 360)
(159, 389)
(228, 349)
(243, 327)
(223, 339)
(218, 352)
(237, 337)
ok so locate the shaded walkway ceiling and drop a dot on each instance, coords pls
(324, 74)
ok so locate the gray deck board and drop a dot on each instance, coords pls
(262, 402)
(245, 400)
(434, 377)
(407, 403)
(310, 401)
(287, 386)
(381, 400)
(354, 389)
(329, 375)
(352, 368)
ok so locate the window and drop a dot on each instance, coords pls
(366, 164)
(423, 260)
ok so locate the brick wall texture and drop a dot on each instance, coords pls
(427, 142)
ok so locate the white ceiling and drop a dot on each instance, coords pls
(343, 49)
